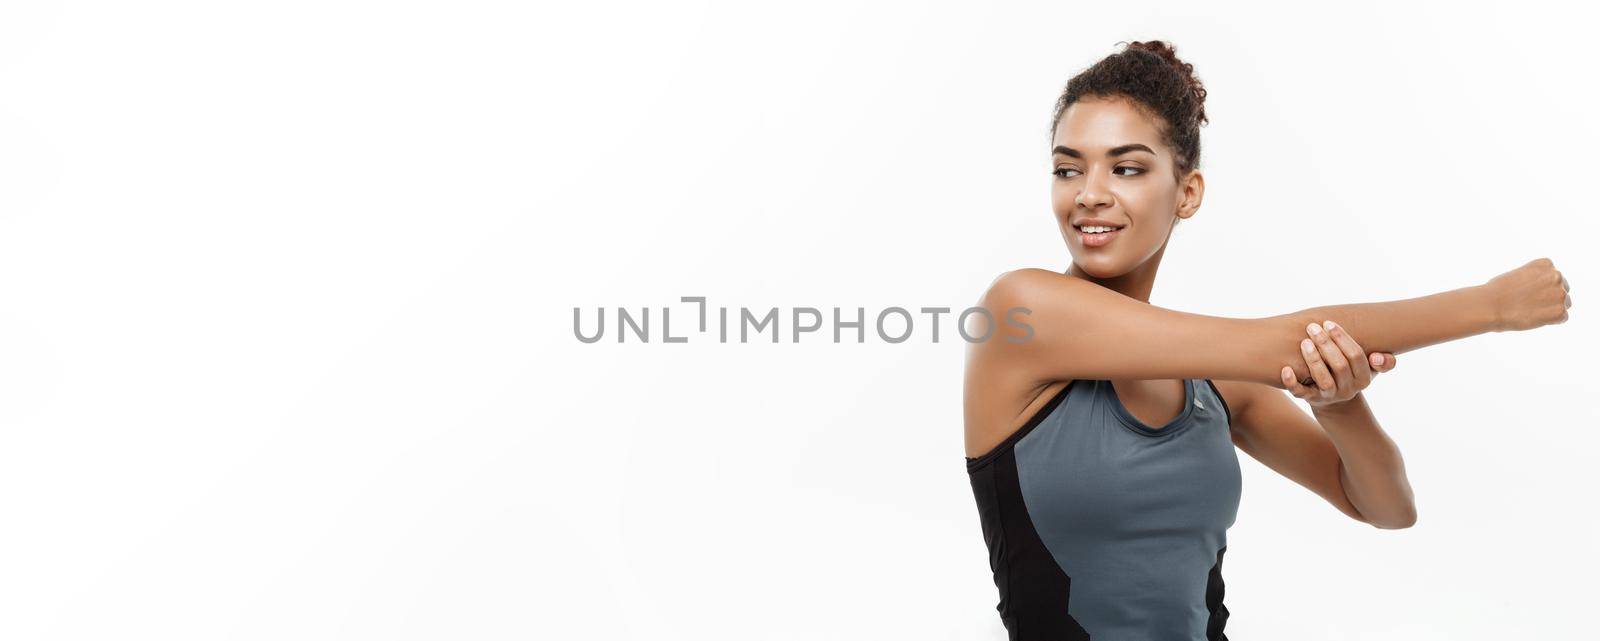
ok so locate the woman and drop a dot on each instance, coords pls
(1101, 448)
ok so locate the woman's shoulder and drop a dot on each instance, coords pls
(1028, 275)
(1029, 283)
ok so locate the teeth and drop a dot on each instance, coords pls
(1095, 229)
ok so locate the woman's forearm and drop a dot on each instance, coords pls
(1392, 326)
(1077, 329)
(1371, 469)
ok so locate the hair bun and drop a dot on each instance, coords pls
(1152, 78)
(1166, 51)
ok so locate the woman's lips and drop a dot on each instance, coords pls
(1097, 240)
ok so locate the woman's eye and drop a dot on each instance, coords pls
(1063, 172)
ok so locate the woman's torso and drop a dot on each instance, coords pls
(1102, 526)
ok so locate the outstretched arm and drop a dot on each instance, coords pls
(1083, 330)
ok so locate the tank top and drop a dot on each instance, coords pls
(1102, 527)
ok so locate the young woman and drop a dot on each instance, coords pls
(1101, 449)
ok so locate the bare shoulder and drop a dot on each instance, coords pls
(1028, 295)
(1001, 386)
(1039, 291)
(1028, 283)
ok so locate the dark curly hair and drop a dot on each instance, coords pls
(1156, 81)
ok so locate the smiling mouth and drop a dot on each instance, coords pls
(1097, 239)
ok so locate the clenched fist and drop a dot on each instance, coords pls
(1530, 296)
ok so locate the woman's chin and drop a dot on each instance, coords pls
(1097, 267)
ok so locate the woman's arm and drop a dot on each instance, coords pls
(1083, 330)
(1340, 452)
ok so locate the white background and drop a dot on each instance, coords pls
(286, 344)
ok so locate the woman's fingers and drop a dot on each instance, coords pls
(1294, 386)
(1381, 362)
(1354, 356)
(1332, 357)
(1319, 372)
(1339, 366)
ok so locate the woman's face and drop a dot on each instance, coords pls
(1111, 167)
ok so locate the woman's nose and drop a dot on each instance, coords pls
(1094, 195)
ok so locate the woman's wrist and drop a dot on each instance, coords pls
(1489, 307)
(1351, 407)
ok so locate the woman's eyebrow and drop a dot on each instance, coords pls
(1115, 151)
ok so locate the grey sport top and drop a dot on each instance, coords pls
(1100, 526)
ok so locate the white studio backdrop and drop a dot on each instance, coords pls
(286, 342)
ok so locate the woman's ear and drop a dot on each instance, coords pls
(1191, 190)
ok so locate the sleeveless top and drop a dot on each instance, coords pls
(1101, 527)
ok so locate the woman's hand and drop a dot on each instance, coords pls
(1339, 367)
(1530, 296)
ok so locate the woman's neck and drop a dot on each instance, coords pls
(1135, 284)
